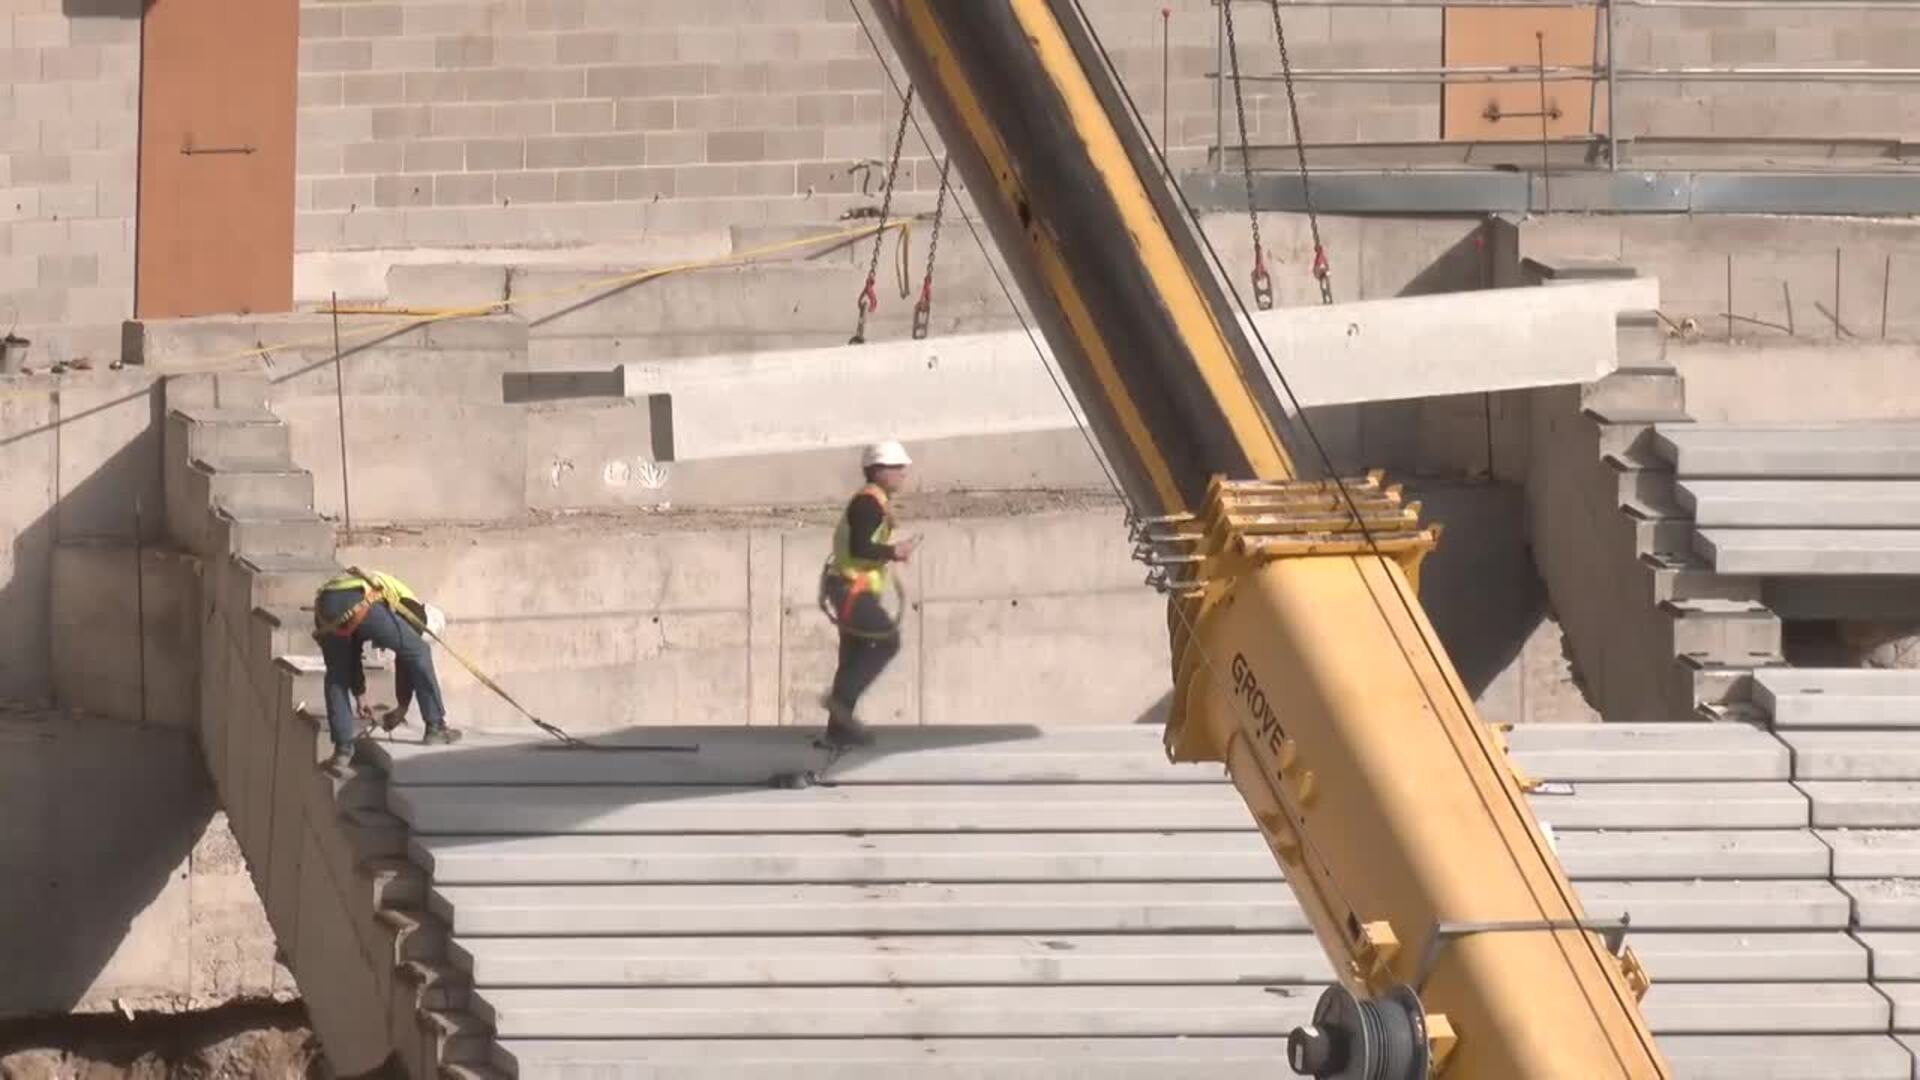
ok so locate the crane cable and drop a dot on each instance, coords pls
(1322, 271)
(923, 308)
(869, 298)
(1262, 281)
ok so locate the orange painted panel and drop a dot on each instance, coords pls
(218, 84)
(1504, 37)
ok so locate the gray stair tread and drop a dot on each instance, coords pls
(1010, 959)
(271, 465)
(1906, 1004)
(615, 859)
(1785, 452)
(572, 910)
(1694, 1057)
(1855, 755)
(964, 1011)
(1827, 503)
(1634, 414)
(1627, 752)
(1811, 552)
(1718, 608)
(1873, 853)
(271, 563)
(225, 414)
(1884, 903)
(249, 513)
(1862, 682)
(1762, 804)
(1896, 953)
(1864, 804)
(1024, 755)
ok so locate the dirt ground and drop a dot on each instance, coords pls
(241, 1042)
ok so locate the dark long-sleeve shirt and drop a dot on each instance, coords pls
(865, 515)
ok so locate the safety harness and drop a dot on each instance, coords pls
(851, 577)
(378, 589)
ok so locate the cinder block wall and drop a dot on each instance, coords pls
(69, 131)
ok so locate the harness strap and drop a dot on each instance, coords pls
(347, 623)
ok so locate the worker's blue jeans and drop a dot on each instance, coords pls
(412, 663)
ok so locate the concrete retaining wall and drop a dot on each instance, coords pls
(602, 624)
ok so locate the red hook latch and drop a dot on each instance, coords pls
(1320, 267)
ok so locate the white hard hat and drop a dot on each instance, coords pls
(885, 453)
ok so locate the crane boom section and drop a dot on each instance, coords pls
(1300, 657)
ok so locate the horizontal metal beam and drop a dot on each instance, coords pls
(1583, 73)
(1442, 191)
(1729, 5)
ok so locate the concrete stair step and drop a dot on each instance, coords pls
(1731, 631)
(1873, 853)
(1895, 954)
(464, 1037)
(1855, 451)
(1814, 552)
(1864, 804)
(285, 581)
(286, 490)
(1694, 1057)
(1630, 752)
(1062, 908)
(1884, 903)
(1854, 755)
(1641, 389)
(1688, 577)
(1750, 854)
(268, 530)
(1069, 1011)
(1825, 503)
(1839, 697)
(1100, 959)
(241, 433)
(1906, 1005)
(1699, 681)
(528, 810)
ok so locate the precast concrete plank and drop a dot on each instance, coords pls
(1651, 855)
(1040, 856)
(1839, 697)
(892, 1059)
(1629, 752)
(929, 959)
(1786, 1057)
(1059, 908)
(1811, 552)
(1895, 953)
(1884, 903)
(732, 756)
(898, 1012)
(1115, 959)
(1863, 682)
(874, 808)
(621, 859)
(1693, 1057)
(1757, 804)
(1906, 1004)
(1718, 905)
(1785, 453)
(1864, 804)
(1056, 908)
(1833, 1008)
(1854, 755)
(1873, 853)
(1826, 503)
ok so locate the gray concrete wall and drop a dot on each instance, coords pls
(69, 131)
(606, 623)
(124, 887)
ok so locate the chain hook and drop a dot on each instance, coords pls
(1262, 282)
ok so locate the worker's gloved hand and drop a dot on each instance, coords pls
(903, 548)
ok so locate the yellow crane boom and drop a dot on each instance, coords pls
(1301, 657)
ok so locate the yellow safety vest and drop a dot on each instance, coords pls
(866, 575)
(381, 588)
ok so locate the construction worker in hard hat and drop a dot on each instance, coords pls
(369, 607)
(854, 587)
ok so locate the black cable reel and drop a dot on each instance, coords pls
(1351, 1039)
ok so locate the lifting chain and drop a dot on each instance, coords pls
(1262, 281)
(869, 297)
(923, 310)
(1322, 272)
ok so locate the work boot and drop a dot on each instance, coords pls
(440, 736)
(843, 729)
(339, 762)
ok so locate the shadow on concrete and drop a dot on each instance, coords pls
(1463, 267)
(96, 813)
(639, 766)
(1479, 587)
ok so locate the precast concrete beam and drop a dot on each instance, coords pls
(1812, 552)
(1779, 452)
(1873, 754)
(1839, 697)
(1830, 504)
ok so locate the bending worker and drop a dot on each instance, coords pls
(362, 607)
(854, 585)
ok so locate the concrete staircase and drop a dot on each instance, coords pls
(1656, 632)
(326, 857)
(1018, 902)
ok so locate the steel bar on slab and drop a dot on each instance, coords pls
(1590, 73)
